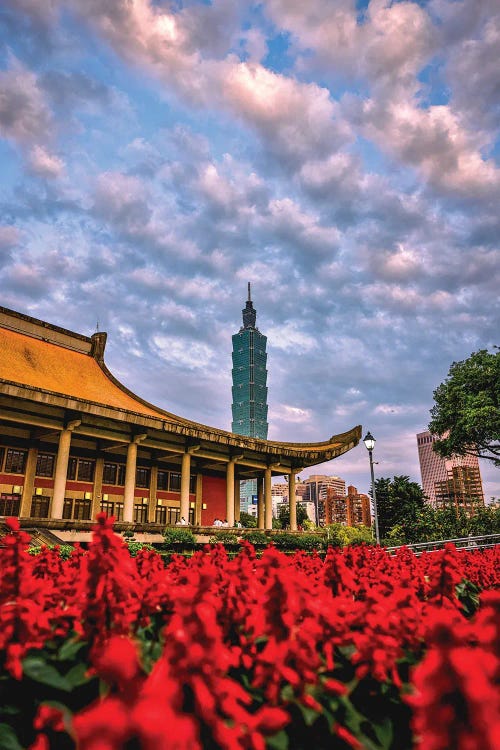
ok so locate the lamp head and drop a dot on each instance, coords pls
(369, 441)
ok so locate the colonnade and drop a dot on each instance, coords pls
(264, 496)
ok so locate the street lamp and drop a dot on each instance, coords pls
(369, 442)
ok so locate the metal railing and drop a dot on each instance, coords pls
(468, 542)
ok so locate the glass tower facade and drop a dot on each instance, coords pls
(249, 407)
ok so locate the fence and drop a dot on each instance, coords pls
(468, 542)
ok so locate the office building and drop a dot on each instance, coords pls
(351, 509)
(449, 482)
(317, 487)
(249, 375)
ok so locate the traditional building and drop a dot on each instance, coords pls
(74, 441)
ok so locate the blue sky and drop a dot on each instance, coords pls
(341, 156)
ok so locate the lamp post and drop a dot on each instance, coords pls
(369, 442)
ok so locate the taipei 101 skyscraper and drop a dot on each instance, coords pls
(249, 407)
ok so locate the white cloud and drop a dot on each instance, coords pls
(182, 353)
(44, 164)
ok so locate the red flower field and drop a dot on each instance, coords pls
(104, 651)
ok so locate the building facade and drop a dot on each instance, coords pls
(449, 482)
(317, 488)
(249, 376)
(75, 441)
(352, 509)
(249, 391)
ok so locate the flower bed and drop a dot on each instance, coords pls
(104, 651)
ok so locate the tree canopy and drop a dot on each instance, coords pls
(466, 413)
(399, 503)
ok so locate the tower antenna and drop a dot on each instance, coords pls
(249, 296)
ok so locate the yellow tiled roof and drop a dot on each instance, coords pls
(41, 364)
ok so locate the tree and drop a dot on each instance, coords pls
(247, 520)
(466, 413)
(399, 503)
(284, 516)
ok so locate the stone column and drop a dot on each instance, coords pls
(230, 493)
(97, 493)
(260, 503)
(185, 476)
(268, 500)
(153, 488)
(129, 491)
(29, 483)
(62, 469)
(237, 488)
(292, 501)
(198, 505)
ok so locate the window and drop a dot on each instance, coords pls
(162, 483)
(109, 473)
(161, 515)
(172, 514)
(85, 470)
(112, 509)
(45, 465)
(140, 513)
(9, 504)
(114, 474)
(81, 469)
(175, 482)
(78, 509)
(72, 464)
(40, 506)
(2, 453)
(15, 461)
(142, 477)
(81, 509)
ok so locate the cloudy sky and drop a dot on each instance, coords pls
(342, 156)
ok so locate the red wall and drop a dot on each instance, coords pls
(214, 496)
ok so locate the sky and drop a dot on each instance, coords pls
(341, 156)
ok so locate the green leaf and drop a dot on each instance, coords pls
(384, 733)
(77, 675)
(278, 741)
(69, 649)
(309, 714)
(39, 671)
(8, 739)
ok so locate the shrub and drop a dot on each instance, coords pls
(224, 537)
(298, 541)
(256, 537)
(179, 538)
(135, 547)
(65, 550)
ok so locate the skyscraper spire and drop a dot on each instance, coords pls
(249, 314)
(249, 374)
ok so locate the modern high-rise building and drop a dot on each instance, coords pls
(449, 482)
(352, 509)
(317, 488)
(249, 407)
